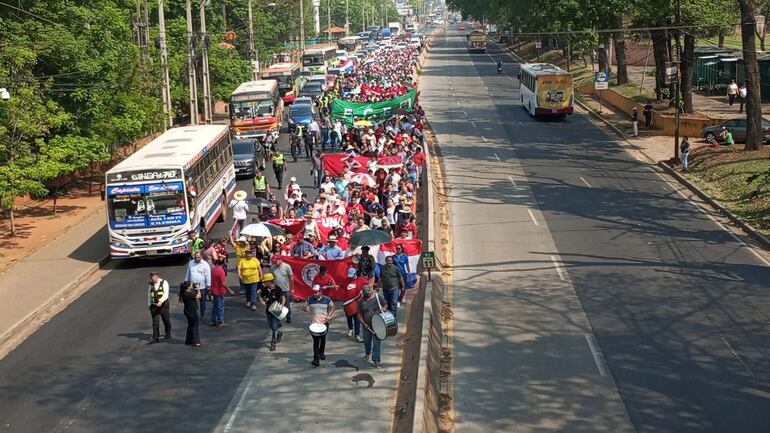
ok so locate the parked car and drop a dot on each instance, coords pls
(737, 127)
(245, 157)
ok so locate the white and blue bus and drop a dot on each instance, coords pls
(180, 182)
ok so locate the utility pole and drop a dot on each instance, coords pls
(252, 57)
(347, 17)
(168, 116)
(677, 83)
(193, 82)
(146, 20)
(205, 66)
(301, 27)
(329, 19)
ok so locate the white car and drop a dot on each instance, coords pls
(401, 45)
(415, 42)
(321, 79)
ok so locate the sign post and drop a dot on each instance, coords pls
(428, 261)
(601, 82)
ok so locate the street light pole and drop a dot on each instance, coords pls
(347, 17)
(301, 27)
(192, 80)
(252, 52)
(205, 67)
(168, 116)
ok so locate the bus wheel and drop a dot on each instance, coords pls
(223, 209)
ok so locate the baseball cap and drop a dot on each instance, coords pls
(293, 179)
(268, 277)
(316, 288)
(154, 273)
(351, 272)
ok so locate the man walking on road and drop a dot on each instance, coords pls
(218, 290)
(648, 114)
(371, 304)
(199, 272)
(157, 300)
(261, 187)
(684, 149)
(742, 93)
(267, 297)
(635, 121)
(279, 164)
(732, 92)
(284, 279)
(321, 309)
(392, 284)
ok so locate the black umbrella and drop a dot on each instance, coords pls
(369, 237)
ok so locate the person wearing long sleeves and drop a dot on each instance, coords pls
(198, 271)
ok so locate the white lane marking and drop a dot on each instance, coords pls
(513, 182)
(597, 354)
(486, 87)
(532, 216)
(745, 367)
(473, 123)
(466, 114)
(585, 182)
(484, 138)
(559, 270)
(498, 159)
(238, 407)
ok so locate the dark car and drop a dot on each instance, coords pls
(737, 127)
(244, 157)
(312, 89)
(301, 114)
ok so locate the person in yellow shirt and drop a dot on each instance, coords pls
(250, 273)
(240, 246)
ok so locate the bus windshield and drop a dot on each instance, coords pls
(312, 60)
(151, 205)
(252, 109)
(284, 81)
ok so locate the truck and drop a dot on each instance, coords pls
(477, 42)
(395, 27)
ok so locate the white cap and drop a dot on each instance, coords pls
(316, 288)
(293, 179)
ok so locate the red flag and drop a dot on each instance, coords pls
(334, 164)
(329, 223)
(412, 248)
(291, 225)
(306, 269)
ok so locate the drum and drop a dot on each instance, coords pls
(351, 305)
(384, 325)
(279, 311)
(318, 329)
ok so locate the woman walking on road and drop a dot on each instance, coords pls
(189, 295)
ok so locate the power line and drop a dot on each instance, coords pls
(29, 13)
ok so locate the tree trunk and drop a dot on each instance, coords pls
(620, 52)
(721, 40)
(13, 220)
(686, 68)
(761, 35)
(660, 54)
(754, 133)
(605, 40)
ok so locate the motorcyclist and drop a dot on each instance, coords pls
(499, 66)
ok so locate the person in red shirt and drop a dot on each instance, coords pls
(218, 290)
(323, 279)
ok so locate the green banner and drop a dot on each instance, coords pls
(347, 110)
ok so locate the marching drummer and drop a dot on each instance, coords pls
(321, 308)
(269, 295)
(367, 308)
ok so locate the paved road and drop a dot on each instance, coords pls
(568, 252)
(90, 370)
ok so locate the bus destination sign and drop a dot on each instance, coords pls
(133, 176)
(251, 96)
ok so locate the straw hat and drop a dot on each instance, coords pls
(240, 195)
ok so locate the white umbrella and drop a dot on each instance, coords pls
(363, 179)
(262, 230)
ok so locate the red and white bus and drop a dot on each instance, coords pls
(288, 77)
(255, 107)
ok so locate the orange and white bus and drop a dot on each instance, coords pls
(546, 90)
(288, 77)
(255, 107)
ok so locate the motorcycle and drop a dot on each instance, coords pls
(499, 69)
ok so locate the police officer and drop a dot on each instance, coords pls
(261, 187)
(279, 164)
(157, 299)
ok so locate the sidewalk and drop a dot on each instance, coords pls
(59, 266)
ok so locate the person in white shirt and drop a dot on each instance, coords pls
(732, 92)
(328, 186)
(240, 208)
(157, 300)
(311, 227)
(293, 188)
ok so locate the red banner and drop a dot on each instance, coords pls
(377, 90)
(291, 225)
(305, 270)
(329, 223)
(334, 164)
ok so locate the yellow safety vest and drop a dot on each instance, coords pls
(260, 183)
(278, 159)
(156, 294)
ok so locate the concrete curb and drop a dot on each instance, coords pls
(55, 304)
(751, 231)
